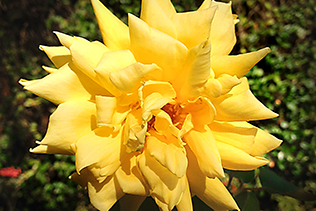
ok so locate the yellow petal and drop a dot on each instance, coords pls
(164, 125)
(104, 195)
(241, 105)
(234, 134)
(165, 187)
(237, 65)
(152, 46)
(64, 39)
(203, 145)
(114, 32)
(59, 55)
(131, 202)
(109, 113)
(86, 60)
(236, 159)
(211, 191)
(134, 131)
(203, 112)
(128, 79)
(213, 88)
(170, 155)
(167, 7)
(193, 27)
(228, 82)
(154, 15)
(49, 69)
(113, 61)
(196, 72)
(264, 143)
(129, 178)
(222, 34)
(185, 203)
(67, 124)
(100, 149)
(153, 96)
(58, 87)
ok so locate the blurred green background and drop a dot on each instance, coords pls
(284, 81)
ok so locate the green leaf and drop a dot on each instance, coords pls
(245, 176)
(247, 201)
(272, 183)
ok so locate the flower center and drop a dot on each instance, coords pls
(176, 113)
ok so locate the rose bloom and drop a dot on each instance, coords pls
(158, 109)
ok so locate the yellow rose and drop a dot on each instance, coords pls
(158, 110)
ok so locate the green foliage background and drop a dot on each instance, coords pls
(284, 81)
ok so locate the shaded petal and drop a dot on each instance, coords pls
(131, 202)
(203, 112)
(236, 159)
(114, 32)
(193, 27)
(168, 152)
(153, 96)
(109, 113)
(222, 36)
(237, 65)
(165, 187)
(211, 191)
(164, 125)
(154, 15)
(100, 150)
(152, 46)
(58, 87)
(127, 79)
(241, 105)
(203, 145)
(104, 195)
(59, 55)
(234, 134)
(134, 131)
(129, 177)
(67, 124)
(113, 61)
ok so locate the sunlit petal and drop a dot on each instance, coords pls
(211, 191)
(114, 32)
(59, 55)
(234, 134)
(100, 149)
(222, 36)
(236, 159)
(152, 11)
(67, 124)
(237, 65)
(203, 145)
(241, 105)
(165, 187)
(152, 46)
(193, 27)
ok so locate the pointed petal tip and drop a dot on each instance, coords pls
(64, 39)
